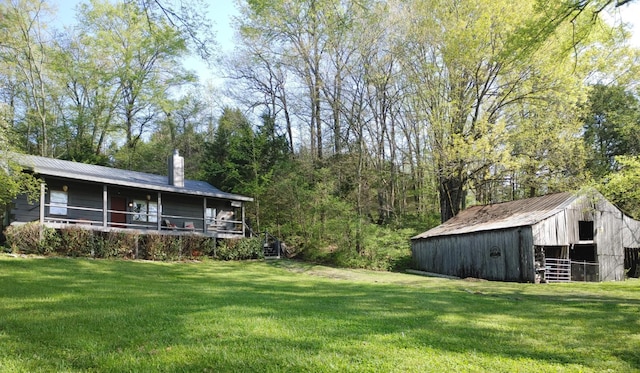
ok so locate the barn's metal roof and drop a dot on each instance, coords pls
(512, 214)
(117, 177)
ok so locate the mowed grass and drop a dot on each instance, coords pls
(76, 315)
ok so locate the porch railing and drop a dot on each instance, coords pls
(148, 221)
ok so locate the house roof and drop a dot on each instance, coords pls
(125, 178)
(511, 214)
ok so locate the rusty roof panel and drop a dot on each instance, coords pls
(504, 215)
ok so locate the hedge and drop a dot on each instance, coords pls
(31, 238)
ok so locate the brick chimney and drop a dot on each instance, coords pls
(176, 170)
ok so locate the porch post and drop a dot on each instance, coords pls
(42, 202)
(159, 212)
(244, 226)
(105, 206)
(204, 215)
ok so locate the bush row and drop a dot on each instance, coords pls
(77, 242)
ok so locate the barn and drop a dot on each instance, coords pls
(554, 238)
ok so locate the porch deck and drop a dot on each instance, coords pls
(145, 223)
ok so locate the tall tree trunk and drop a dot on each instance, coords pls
(451, 195)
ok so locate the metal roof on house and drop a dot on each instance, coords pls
(118, 177)
(511, 214)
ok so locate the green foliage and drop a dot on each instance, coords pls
(115, 245)
(77, 242)
(621, 185)
(160, 247)
(317, 221)
(240, 159)
(611, 118)
(13, 182)
(32, 238)
(239, 249)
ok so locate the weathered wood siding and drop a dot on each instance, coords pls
(563, 229)
(503, 255)
(553, 231)
(608, 238)
(630, 232)
(608, 233)
(468, 254)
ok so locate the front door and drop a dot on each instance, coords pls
(118, 219)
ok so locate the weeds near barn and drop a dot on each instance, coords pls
(103, 315)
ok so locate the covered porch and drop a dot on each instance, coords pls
(118, 208)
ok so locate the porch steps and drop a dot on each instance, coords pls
(272, 247)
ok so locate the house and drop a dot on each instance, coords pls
(557, 237)
(108, 199)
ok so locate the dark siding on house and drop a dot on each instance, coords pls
(79, 195)
(23, 211)
(504, 255)
(191, 208)
(86, 195)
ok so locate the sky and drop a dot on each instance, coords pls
(222, 11)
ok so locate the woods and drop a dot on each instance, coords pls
(352, 124)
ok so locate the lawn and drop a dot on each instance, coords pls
(77, 315)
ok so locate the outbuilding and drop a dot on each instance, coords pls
(558, 237)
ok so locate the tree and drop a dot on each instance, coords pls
(576, 19)
(620, 186)
(13, 181)
(241, 160)
(90, 110)
(301, 33)
(257, 79)
(142, 54)
(188, 17)
(464, 77)
(25, 66)
(611, 119)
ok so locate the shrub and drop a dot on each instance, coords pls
(79, 242)
(194, 246)
(152, 247)
(76, 242)
(116, 245)
(239, 249)
(27, 239)
(367, 246)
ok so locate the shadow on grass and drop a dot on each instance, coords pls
(61, 314)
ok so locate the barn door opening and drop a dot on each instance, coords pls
(584, 262)
(632, 261)
(557, 266)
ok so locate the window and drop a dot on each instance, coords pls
(145, 211)
(210, 215)
(58, 200)
(585, 230)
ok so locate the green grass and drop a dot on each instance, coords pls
(69, 315)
